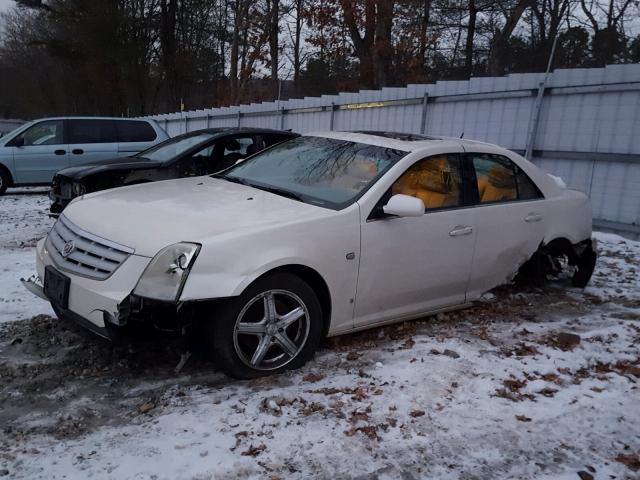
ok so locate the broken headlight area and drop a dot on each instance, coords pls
(166, 274)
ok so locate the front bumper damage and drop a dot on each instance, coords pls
(107, 307)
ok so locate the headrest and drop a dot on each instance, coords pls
(232, 144)
(501, 177)
(435, 175)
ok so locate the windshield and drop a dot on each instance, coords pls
(172, 148)
(323, 171)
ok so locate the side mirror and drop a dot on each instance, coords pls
(404, 206)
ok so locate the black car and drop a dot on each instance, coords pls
(200, 152)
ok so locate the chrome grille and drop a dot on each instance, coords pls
(91, 256)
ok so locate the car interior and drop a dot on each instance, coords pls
(496, 181)
(435, 180)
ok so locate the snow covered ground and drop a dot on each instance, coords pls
(23, 221)
(496, 391)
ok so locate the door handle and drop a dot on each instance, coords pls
(533, 217)
(60, 152)
(461, 230)
(77, 151)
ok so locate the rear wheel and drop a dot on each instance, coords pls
(4, 181)
(273, 326)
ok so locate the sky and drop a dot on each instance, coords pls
(5, 4)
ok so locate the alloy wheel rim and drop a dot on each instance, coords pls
(271, 330)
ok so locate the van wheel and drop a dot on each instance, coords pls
(4, 181)
(273, 326)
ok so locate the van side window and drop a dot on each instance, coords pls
(135, 131)
(48, 132)
(91, 131)
(435, 180)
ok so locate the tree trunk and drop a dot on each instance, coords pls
(500, 40)
(296, 45)
(471, 31)
(383, 48)
(274, 18)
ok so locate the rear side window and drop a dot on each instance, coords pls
(527, 190)
(135, 131)
(500, 180)
(91, 131)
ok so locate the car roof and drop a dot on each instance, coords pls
(407, 142)
(81, 117)
(236, 130)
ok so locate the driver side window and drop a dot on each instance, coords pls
(44, 133)
(435, 180)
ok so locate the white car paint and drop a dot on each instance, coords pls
(376, 271)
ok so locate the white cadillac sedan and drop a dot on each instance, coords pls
(322, 235)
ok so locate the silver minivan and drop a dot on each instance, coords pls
(34, 152)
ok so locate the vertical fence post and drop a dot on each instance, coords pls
(534, 120)
(282, 112)
(333, 110)
(423, 120)
(239, 115)
(186, 124)
(208, 120)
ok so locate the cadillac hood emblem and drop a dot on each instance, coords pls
(68, 248)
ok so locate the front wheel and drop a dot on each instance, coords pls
(273, 326)
(4, 181)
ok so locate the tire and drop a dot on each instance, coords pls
(5, 180)
(586, 265)
(247, 342)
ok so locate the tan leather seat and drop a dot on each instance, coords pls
(498, 185)
(432, 181)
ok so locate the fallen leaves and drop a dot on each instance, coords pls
(146, 407)
(370, 431)
(523, 418)
(254, 451)
(416, 413)
(632, 461)
(313, 377)
(512, 390)
(353, 356)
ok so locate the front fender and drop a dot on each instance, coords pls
(203, 284)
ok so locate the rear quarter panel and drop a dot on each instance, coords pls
(568, 215)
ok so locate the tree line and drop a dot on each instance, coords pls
(134, 57)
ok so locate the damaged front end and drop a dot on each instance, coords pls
(135, 314)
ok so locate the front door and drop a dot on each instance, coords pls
(39, 152)
(413, 265)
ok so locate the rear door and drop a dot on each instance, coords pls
(39, 152)
(509, 220)
(134, 136)
(91, 140)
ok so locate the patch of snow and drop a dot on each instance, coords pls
(23, 221)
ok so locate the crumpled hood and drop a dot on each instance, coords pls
(151, 216)
(79, 172)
